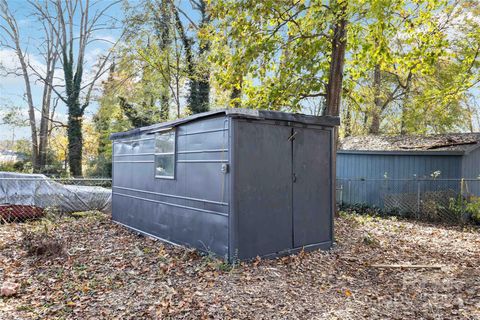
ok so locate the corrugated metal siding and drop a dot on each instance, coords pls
(471, 170)
(471, 165)
(373, 166)
(194, 205)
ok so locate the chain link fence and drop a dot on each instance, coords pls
(448, 200)
(24, 197)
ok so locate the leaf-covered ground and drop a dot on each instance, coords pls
(111, 273)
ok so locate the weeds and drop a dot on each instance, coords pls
(40, 239)
(369, 239)
(42, 244)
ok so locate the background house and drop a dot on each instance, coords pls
(398, 157)
(374, 169)
(10, 156)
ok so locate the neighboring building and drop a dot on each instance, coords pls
(238, 183)
(10, 156)
(455, 156)
(387, 164)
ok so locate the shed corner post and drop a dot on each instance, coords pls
(333, 176)
(233, 253)
(418, 197)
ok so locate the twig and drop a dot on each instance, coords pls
(407, 266)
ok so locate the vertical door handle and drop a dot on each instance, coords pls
(294, 177)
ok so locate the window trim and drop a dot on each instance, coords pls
(173, 153)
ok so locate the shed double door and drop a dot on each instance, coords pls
(284, 194)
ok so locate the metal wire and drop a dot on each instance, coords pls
(23, 198)
(425, 199)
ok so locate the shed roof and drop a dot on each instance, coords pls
(238, 113)
(451, 143)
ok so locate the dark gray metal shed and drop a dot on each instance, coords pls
(238, 183)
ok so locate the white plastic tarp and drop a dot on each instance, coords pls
(40, 191)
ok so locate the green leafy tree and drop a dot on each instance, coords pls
(283, 55)
(14, 119)
(148, 61)
(404, 46)
(280, 54)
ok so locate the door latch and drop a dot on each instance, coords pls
(292, 136)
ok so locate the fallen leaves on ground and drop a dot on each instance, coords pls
(111, 273)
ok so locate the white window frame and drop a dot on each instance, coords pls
(173, 153)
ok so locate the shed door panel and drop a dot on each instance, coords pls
(264, 189)
(311, 189)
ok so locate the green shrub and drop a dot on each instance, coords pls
(472, 207)
(17, 166)
(468, 208)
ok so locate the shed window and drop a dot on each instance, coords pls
(165, 155)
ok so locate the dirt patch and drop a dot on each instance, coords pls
(108, 272)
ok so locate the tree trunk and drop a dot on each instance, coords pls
(337, 59)
(75, 139)
(347, 123)
(14, 35)
(31, 116)
(403, 129)
(187, 45)
(199, 96)
(203, 94)
(236, 95)
(44, 126)
(31, 108)
(51, 60)
(163, 30)
(335, 78)
(164, 106)
(377, 109)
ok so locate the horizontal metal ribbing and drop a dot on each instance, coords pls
(147, 234)
(202, 151)
(171, 204)
(134, 154)
(202, 161)
(172, 196)
(408, 179)
(134, 140)
(43, 179)
(179, 152)
(134, 161)
(200, 132)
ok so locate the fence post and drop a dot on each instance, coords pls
(341, 194)
(349, 191)
(418, 198)
(461, 198)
